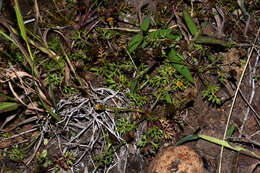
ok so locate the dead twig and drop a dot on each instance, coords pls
(136, 30)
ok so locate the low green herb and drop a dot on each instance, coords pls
(211, 94)
(151, 138)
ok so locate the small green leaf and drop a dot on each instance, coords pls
(6, 97)
(190, 23)
(230, 131)
(168, 98)
(8, 106)
(135, 42)
(209, 41)
(186, 139)
(146, 23)
(45, 141)
(178, 65)
(52, 96)
(44, 153)
(133, 86)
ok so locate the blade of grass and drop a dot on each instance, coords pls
(70, 65)
(8, 106)
(209, 41)
(224, 143)
(190, 23)
(230, 131)
(133, 86)
(146, 23)
(20, 20)
(186, 139)
(24, 36)
(6, 97)
(8, 37)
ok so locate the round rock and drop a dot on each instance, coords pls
(176, 159)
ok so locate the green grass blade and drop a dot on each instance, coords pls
(6, 97)
(227, 145)
(146, 23)
(186, 139)
(230, 131)
(168, 98)
(209, 41)
(8, 37)
(24, 36)
(8, 106)
(190, 23)
(133, 86)
(20, 20)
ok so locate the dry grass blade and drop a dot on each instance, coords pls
(37, 11)
(8, 119)
(22, 102)
(71, 66)
(23, 133)
(241, 4)
(219, 20)
(29, 120)
(136, 30)
(181, 26)
(67, 74)
(28, 161)
(15, 94)
(20, 74)
(45, 33)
